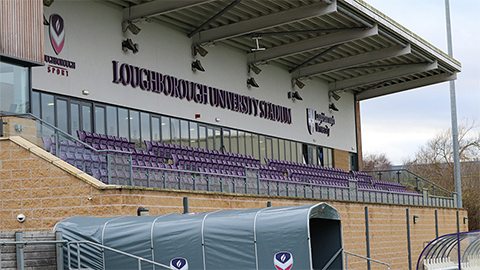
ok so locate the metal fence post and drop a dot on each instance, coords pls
(130, 168)
(109, 169)
(19, 251)
(59, 251)
(426, 201)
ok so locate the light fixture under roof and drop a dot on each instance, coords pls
(196, 65)
(254, 68)
(129, 45)
(48, 3)
(299, 83)
(334, 95)
(130, 26)
(294, 95)
(197, 49)
(252, 83)
(332, 107)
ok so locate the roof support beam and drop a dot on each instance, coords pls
(265, 22)
(311, 44)
(351, 61)
(214, 18)
(378, 77)
(316, 57)
(158, 7)
(381, 91)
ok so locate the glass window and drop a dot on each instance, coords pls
(184, 132)
(156, 129)
(233, 141)
(288, 155)
(166, 138)
(175, 130)
(320, 156)
(275, 148)
(99, 120)
(112, 121)
(328, 157)
(299, 153)
(36, 104)
(48, 112)
(249, 144)
(202, 133)
(241, 143)
(314, 155)
(281, 149)
(14, 88)
(218, 139)
(210, 141)
(265, 148)
(74, 117)
(145, 128)
(123, 122)
(62, 119)
(193, 134)
(255, 146)
(86, 118)
(226, 140)
(135, 128)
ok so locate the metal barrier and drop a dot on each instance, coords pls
(360, 256)
(61, 243)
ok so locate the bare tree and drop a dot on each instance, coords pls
(434, 161)
(375, 161)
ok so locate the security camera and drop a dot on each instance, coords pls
(21, 218)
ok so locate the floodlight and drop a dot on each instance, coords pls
(196, 65)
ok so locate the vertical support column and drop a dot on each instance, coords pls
(408, 241)
(436, 224)
(59, 250)
(425, 197)
(19, 251)
(367, 237)
(458, 224)
(352, 190)
(185, 205)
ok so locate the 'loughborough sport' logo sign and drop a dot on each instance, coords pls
(283, 260)
(57, 32)
(179, 263)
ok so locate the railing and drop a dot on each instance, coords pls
(434, 194)
(76, 261)
(117, 168)
(362, 257)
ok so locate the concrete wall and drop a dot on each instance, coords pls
(47, 190)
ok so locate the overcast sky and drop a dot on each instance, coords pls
(399, 124)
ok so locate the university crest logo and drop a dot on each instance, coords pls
(57, 32)
(283, 260)
(179, 263)
(310, 121)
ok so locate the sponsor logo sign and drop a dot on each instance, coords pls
(318, 122)
(283, 261)
(179, 264)
(57, 32)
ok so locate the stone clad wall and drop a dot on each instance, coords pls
(47, 190)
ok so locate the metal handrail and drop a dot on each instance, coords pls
(414, 174)
(363, 257)
(140, 259)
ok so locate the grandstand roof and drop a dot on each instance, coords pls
(347, 43)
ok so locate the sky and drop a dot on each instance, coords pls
(397, 125)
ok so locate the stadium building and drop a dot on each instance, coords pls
(230, 103)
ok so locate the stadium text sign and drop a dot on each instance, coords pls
(156, 82)
(315, 121)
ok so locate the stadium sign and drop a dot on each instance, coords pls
(159, 83)
(315, 121)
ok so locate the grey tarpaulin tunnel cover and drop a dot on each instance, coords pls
(281, 238)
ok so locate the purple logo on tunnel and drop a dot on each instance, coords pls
(283, 260)
(179, 263)
(57, 32)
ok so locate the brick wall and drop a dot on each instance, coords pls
(46, 190)
(341, 159)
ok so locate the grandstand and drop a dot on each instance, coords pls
(113, 105)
